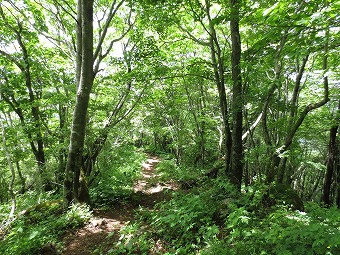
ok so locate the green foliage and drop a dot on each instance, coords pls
(261, 197)
(132, 240)
(165, 64)
(77, 215)
(214, 219)
(31, 232)
(119, 168)
(281, 232)
(170, 170)
(190, 220)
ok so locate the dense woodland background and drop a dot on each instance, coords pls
(240, 99)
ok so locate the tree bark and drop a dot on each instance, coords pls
(218, 66)
(21, 177)
(34, 132)
(79, 44)
(331, 165)
(237, 100)
(11, 167)
(294, 126)
(75, 154)
(337, 168)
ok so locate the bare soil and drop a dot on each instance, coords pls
(102, 231)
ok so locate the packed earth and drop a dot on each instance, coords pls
(102, 231)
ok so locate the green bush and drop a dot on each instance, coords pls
(133, 240)
(281, 232)
(33, 231)
(170, 170)
(214, 219)
(191, 220)
(119, 169)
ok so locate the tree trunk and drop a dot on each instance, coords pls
(75, 154)
(218, 66)
(331, 159)
(237, 100)
(79, 42)
(337, 164)
(21, 177)
(32, 123)
(294, 126)
(11, 167)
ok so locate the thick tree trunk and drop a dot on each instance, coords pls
(237, 101)
(79, 41)
(75, 154)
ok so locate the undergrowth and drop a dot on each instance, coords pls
(281, 232)
(209, 218)
(39, 231)
(119, 169)
(169, 170)
(212, 218)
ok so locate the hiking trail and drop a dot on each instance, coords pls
(96, 233)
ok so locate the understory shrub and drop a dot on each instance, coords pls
(133, 240)
(118, 170)
(281, 232)
(170, 170)
(190, 220)
(33, 232)
(214, 219)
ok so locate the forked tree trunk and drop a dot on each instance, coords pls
(277, 162)
(75, 154)
(219, 69)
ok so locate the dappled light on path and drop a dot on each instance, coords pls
(102, 231)
(149, 183)
(95, 234)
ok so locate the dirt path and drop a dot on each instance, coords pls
(95, 235)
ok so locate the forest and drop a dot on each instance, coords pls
(169, 127)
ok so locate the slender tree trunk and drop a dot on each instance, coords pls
(34, 96)
(11, 167)
(218, 65)
(75, 154)
(32, 127)
(21, 177)
(292, 114)
(237, 101)
(202, 105)
(337, 164)
(295, 125)
(275, 84)
(62, 154)
(331, 165)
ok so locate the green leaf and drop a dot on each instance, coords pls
(33, 235)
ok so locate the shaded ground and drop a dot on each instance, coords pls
(102, 231)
